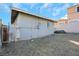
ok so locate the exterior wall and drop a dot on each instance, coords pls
(27, 27)
(73, 20)
(59, 25)
(72, 13)
(72, 27)
(27, 24)
(12, 32)
(45, 28)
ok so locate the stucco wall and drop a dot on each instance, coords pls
(72, 27)
(73, 20)
(72, 13)
(31, 27)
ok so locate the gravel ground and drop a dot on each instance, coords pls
(53, 45)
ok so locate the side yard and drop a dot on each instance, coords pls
(53, 45)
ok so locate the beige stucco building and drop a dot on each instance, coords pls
(72, 21)
(26, 25)
(73, 13)
(59, 25)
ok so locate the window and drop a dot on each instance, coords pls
(77, 9)
(49, 24)
(38, 26)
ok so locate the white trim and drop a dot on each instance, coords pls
(33, 14)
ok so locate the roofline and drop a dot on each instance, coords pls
(73, 6)
(63, 19)
(27, 12)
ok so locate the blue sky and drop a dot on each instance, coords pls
(54, 11)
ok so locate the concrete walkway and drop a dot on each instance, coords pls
(53, 45)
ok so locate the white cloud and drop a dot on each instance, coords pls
(64, 17)
(4, 8)
(31, 4)
(16, 5)
(55, 14)
(47, 6)
(75, 3)
(65, 6)
(57, 11)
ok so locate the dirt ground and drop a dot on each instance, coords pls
(53, 45)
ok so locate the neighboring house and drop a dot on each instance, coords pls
(72, 22)
(26, 25)
(73, 13)
(59, 25)
(73, 19)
